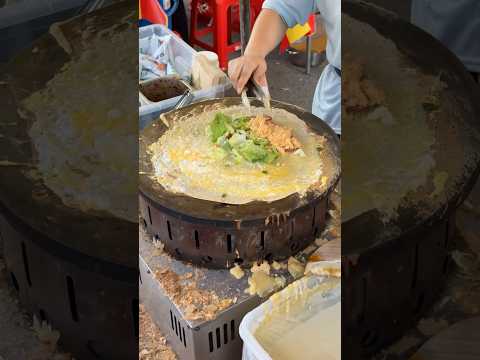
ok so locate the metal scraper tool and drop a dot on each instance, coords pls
(259, 92)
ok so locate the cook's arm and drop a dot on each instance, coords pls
(268, 31)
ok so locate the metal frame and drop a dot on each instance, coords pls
(91, 303)
(207, 244)
(387, 289)
(214, 340)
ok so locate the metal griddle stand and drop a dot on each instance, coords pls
(196, 340)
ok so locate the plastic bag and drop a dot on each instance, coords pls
(156, 58)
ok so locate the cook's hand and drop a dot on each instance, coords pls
(241, 69)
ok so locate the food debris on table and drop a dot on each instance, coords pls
(237, 272)
(152, 344)
(195, 303)
(262, 284)
(295, 267)
(264, 266)
(278, 266)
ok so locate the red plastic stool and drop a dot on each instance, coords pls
(221, 17)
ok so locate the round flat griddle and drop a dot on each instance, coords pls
(218, 235)
(92, 233)
(77, 270)
(393, 270)
(455, 124)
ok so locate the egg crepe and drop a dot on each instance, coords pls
(186, 161)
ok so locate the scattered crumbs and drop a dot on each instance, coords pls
(159, 247)
(295, 267)
(45, 333)
(152, 344)
(186, 276)
(278, 266)
(262, 284)
(237, 272)
(224, 195)
(195, 303)
(264, 267)
(264, 172)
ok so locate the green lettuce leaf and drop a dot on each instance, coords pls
(221, 125)
(257, 153)
(272, 155)
(241, 123)
(234, 138)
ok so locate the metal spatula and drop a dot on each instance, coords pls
(260, 92)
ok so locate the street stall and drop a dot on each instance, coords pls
(214, 248)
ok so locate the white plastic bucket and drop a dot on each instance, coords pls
(252, 348)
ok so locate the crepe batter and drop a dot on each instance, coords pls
(316, 338)
(299, 326)
(185, 161)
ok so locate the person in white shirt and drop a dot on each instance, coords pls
(269, 29)
(456, 24)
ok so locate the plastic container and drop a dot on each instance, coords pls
(161, 89)
(211, 57)
(252, 349)
(182, 56)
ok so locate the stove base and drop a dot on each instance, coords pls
(217, 339)
(93, 304)
(386, 290)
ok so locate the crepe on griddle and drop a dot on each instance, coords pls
(186, 161)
